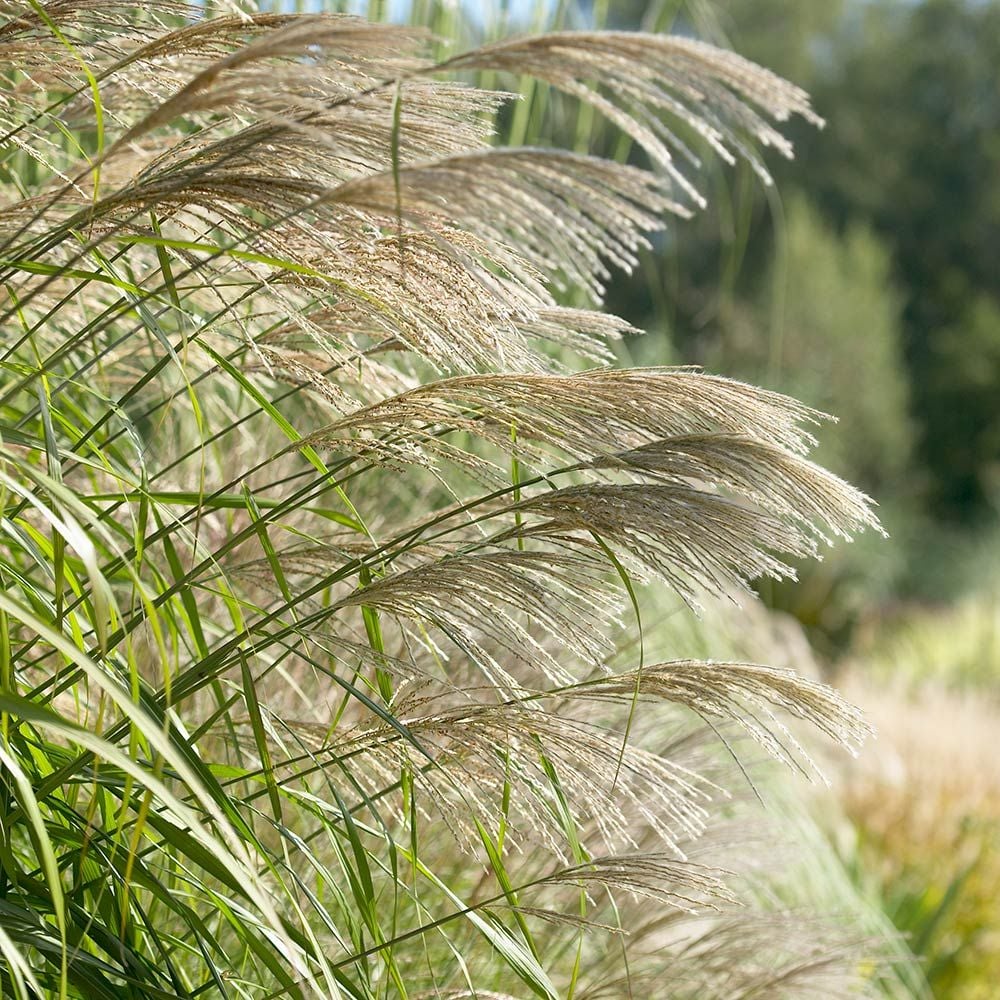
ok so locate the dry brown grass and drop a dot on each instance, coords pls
(926, 800)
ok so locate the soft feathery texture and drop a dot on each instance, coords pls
(320, 552)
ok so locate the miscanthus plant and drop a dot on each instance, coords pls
(324, 526)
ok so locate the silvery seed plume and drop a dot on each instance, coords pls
(464, 995)
(567, 214)
(763, 473)
(617, 793)
(746, 694)
(598, 414)
(428, 293)
(691, 539)
(717, 95)
(747, 955)
(656, 877)
(360, 53)
(485, 602)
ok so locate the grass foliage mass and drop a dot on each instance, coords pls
(326, 523)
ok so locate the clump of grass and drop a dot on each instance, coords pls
(315, 560)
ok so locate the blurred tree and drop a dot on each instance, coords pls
(963, 380)
(790, 37)
(836, 341)
(913, 146)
